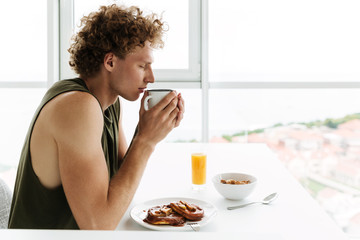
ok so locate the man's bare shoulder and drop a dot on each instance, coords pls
(74, 99)
(73, 108)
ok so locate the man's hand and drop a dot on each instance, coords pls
(181, 106)
(157, 122)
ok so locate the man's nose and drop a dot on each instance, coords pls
(150, 76)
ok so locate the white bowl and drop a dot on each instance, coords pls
(233, 191)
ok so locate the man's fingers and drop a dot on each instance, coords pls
(180, 115)
(165, 101)
(181, 103)
(178, 119)
(171, 106)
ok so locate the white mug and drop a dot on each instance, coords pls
(155, 96)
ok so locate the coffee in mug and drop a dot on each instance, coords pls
(154, 97)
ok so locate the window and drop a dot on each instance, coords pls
(286, 73)
(315, 133)
(286, 41)
(233, 111)
(182, 40)
(15, 120)
(26, 70)
(24, 44)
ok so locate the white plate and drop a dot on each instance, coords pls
(139, 212)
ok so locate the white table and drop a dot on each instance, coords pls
(294, 215)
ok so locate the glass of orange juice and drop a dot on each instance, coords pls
(198, 167)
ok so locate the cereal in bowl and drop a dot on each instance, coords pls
(234, 182)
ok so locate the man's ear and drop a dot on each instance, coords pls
(109, 61)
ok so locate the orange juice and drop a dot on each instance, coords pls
(198, 164)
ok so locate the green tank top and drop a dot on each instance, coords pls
(36, 207)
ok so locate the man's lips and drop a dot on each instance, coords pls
(141, 90)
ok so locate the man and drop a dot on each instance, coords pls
(76, 170)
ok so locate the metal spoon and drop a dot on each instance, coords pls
(266, 200)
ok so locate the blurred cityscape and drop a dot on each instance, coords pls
(325, 158)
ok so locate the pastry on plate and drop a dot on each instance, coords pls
(164, 215)
(189, 211)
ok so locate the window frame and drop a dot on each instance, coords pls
(173, 77)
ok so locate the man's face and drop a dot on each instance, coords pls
(132, 74)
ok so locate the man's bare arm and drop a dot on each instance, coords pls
(96, 203)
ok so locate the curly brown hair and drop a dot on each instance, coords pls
(115, 29)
